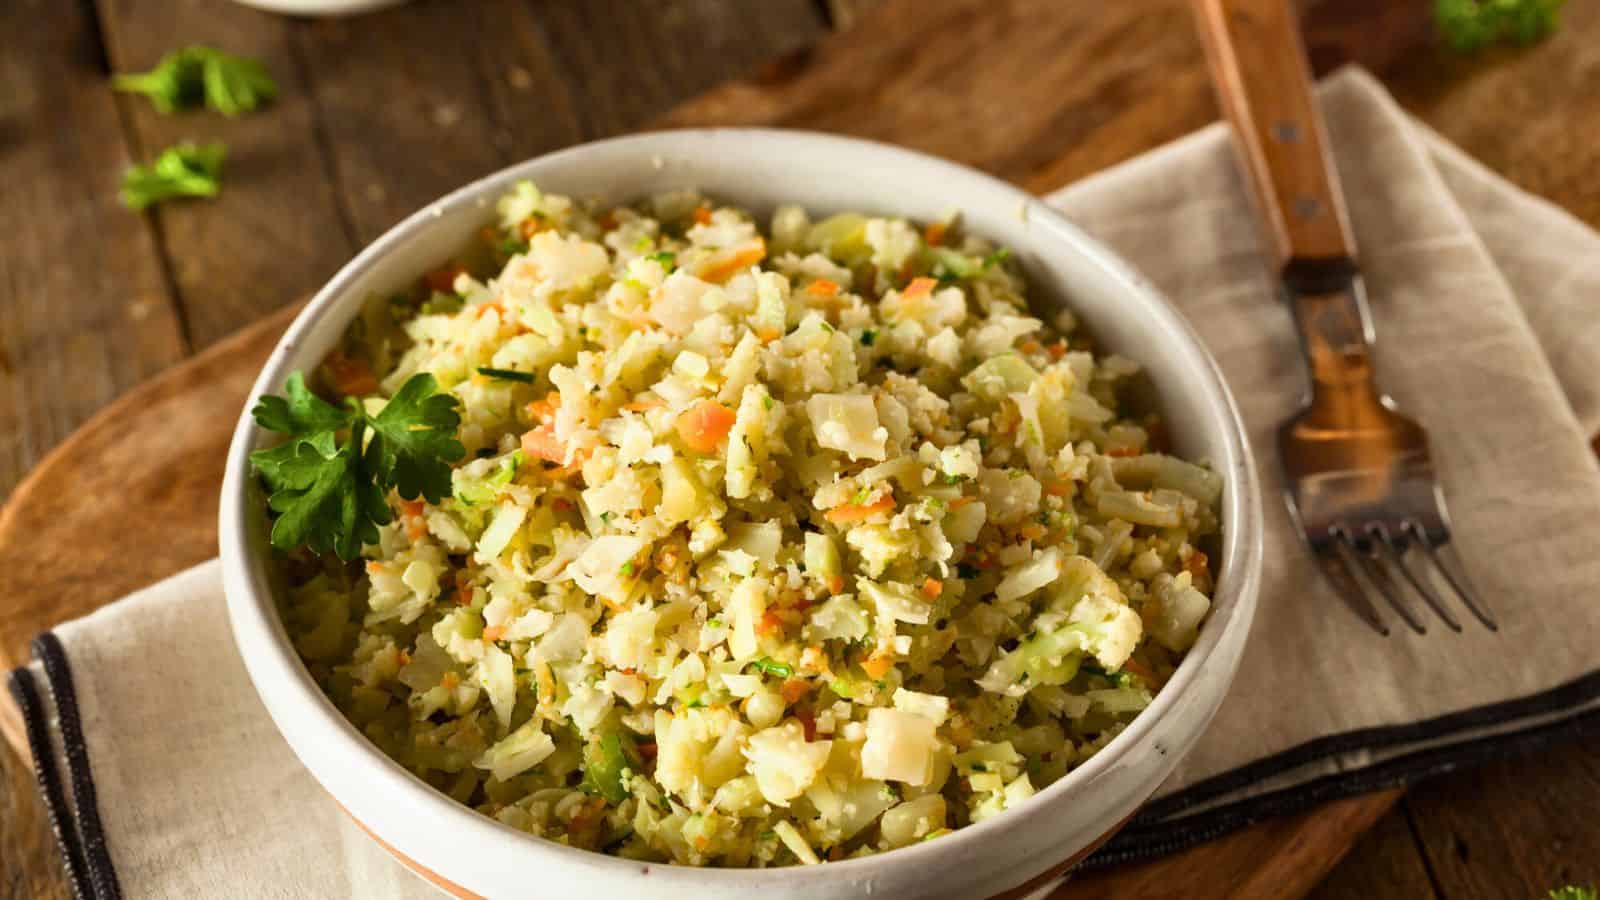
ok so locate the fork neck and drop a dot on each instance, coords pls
(1329, 304)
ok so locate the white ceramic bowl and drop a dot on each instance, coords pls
(758, 169)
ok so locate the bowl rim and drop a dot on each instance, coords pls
(252, 611)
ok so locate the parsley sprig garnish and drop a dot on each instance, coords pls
(1469, 25)
(329, 481)
(184, 170)
(186, 78)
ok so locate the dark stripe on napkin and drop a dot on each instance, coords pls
(1159, 830)
(98, 872)
(26, 694)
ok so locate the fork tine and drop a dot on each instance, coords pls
(1478, 610)
(1397, 557)
(1348, 587)
(1371, 565)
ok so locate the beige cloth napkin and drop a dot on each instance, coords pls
(1482, 298)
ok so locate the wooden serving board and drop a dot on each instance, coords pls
(132, 496)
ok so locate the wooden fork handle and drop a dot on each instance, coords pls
(1263, 79)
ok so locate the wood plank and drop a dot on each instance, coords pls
(1526, 112)
(32, 864)
(1384, 863)
(84, 311)
(1516, 828)
(276, 232)
(470, 88)
(629, 62)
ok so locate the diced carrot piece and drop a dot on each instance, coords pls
(541, 443)
(543, 411)
(935, 232)
(374, 567)
(642, 405)
(768, 335)
(493, 633)
(769, 622)
(350, 375)
(1058, 488)
(705, 425)
(794, 688)
(961, 501)
(449, 681)
(413, 507)
(1197, 564)
(1032, 531)
(443, 279)
(561, 504)
(856, 512)
(1057, 350)
(932, 588)
(835, 584)
(919, 288)
(878, 664)
(702, 215)
(823, 287)
(1030, 346)
(721, 270)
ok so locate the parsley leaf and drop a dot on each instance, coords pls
(184, 170)
(1574, 892)
(1469, 25)
(300, 412)
(328, 492)
(235, 85)
(413, 437)
(185, 78)
(324, 503)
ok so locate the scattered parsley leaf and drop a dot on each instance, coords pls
(184, 170)
(235, 85)
(869, 337)
(328, 494)
(1574, 892)
(667, 259)
(1469, 25)
(186, 78)
(996, 258)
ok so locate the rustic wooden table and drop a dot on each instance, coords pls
(381, 114)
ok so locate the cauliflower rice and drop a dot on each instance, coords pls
(772, 546)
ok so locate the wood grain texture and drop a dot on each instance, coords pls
(31, 868)
(1277, 859)
(1513, 829)
(84, 310)
(275, 232)
(1384, 863)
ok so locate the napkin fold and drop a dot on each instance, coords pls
(164, 776)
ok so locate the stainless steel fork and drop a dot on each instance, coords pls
(1360, 482)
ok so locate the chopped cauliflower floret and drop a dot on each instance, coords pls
(783, 762)
(900, 746)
